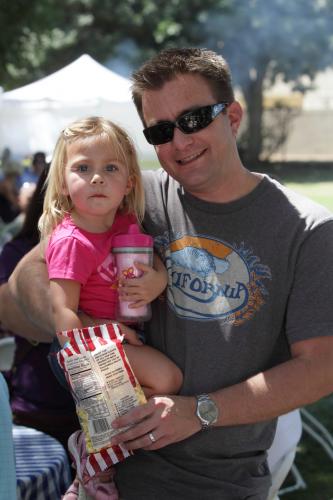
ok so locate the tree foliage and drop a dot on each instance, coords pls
(262, 39)
(40, 36)
(27, 31)
(259, 38)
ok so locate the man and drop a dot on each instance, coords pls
(247, 317)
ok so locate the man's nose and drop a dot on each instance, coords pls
(181, 140)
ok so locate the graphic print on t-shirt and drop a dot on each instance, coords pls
(211, 279)
(107, 270)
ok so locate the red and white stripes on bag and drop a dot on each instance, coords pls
(103, 385)
(87, 339)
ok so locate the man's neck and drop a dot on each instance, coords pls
(234, 188)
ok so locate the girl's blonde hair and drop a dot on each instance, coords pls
(56, 203)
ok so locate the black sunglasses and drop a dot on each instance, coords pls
(188, 123)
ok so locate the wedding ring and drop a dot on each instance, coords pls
(151, 437)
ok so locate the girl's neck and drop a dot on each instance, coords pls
(92, 223)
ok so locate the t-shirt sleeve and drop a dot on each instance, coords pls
(310, 311)
(69, 258)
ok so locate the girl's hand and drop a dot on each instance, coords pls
(130, 335)
(143, 290)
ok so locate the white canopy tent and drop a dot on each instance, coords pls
(33, 116)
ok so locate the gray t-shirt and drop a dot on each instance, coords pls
(246, 279)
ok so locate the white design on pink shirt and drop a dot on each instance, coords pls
(107, 270)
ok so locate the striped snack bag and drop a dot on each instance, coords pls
(103, 386)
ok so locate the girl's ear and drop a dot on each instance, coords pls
(64, 188)
(130, 184)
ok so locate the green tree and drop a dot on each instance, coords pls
(262, 39)
(40, 36)
(27, 31)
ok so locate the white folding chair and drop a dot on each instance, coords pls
(282, 453)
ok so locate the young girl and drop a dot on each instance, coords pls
(94, 191)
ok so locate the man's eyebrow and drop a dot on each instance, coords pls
(184, 112)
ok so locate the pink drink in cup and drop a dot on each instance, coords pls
(127, 249)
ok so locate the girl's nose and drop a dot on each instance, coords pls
(97, 179)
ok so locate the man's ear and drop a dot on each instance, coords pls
(235, 114)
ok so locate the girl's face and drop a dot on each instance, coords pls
(96, 181)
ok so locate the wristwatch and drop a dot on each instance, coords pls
(206, 411)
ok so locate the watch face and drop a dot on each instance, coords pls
(207, 411)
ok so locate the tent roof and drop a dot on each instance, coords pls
(33, 116)
(82, 80)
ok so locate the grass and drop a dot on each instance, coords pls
(312, 461)
(312, 180)
(321, 192)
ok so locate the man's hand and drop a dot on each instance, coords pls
(168, 419)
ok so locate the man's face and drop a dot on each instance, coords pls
(201, 161)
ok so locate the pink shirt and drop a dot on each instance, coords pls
(79, 255)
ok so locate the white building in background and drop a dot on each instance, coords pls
(310, 137)
(321, 97)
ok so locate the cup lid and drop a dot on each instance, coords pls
(133, 238)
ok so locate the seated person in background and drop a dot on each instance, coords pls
(25, 194)
(12, 228)
(37, 399)
(38, 164)
(8, 196)
(7, 461)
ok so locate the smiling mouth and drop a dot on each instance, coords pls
(189, 159)
(98, 196)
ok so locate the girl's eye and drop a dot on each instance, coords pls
(111, 168)
(82, 168)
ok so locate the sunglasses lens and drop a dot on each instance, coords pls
(159, 134)
(195, 120)
(188, 123)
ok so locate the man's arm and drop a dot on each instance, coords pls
(25, 305)
(307, 377)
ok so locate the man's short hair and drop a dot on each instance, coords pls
(169, 63)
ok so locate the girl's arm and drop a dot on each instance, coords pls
(64, 302)
(143, 290)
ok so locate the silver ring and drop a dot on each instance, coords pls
(152, 437)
